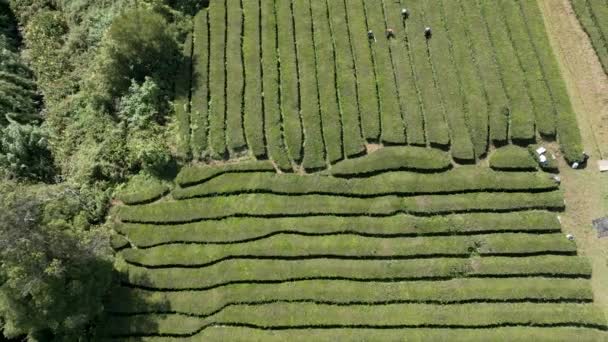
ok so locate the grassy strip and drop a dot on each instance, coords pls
(406, 82)
(196, 174)
(393, 158)
(294, 136)
(278, 271)
(181, 103)
(567, 127)
(598, 39)
(305, 205)
(450, 89)
(199, 116)
(343, 291)
(234, 77)
(462, 179)
(142, 189)
(464, 61)
(346, 80)
(436, 127)
(484, 54)
(253, 111)
(326, 80)
(247, 229)
(302, 315)
(512, 158)
(557, 334)
(345, 246)
(314, 143)
(521, 111)
(273, 123)
(217, 77)
(364, 70)
(529, 60)
(392, 129)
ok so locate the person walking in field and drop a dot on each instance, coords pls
(390, 33)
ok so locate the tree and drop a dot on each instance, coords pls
(54, 269)
(138, 44)
(24, 153)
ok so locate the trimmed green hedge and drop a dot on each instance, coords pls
(556, 334)
(265, 205)
(344, 291)
(253, 118)
(240, 229)
(235, 83)
(217, 79)
(488, 315)
(462, 179)
(513, 158)
(465, 60)
(365, 71)
(392, 129)
(346, 81)
(231, 271)
(450, 91)
(331, 117)
(273, 122)
(199, 114)
(406, 81)
(191, 175)
(118, 242)
(352, 246)
(394, 158)
(142, 189)
(294, 135)
(437, 130)
(314, 142)
(489, 71)
(522, 127)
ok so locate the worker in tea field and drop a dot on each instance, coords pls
(390, 33)
(404, 13)
(428, 33)
(370, 35)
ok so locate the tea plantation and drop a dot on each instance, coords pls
(346, 185)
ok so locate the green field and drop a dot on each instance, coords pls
(311, 89)
(313, 236)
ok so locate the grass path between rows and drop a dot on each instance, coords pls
(586, 191)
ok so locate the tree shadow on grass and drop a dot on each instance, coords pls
(130, 312)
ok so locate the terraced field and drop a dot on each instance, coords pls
(313, 234)
(593, 16)
(300, 83)
(408, 248)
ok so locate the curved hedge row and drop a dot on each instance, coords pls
(344, 291)
(278, 271)
(345, 247)
(264, 205)
(303, 315)
(393, 159)
(463, 179)
(142, 189)
(195, 174)
(247, 334)
(244, 229)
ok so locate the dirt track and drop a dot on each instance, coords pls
(585, 191)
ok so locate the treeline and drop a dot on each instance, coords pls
(85, 103)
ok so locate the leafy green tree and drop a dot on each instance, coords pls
(54, 269)
(138, 44)
(24, 153)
